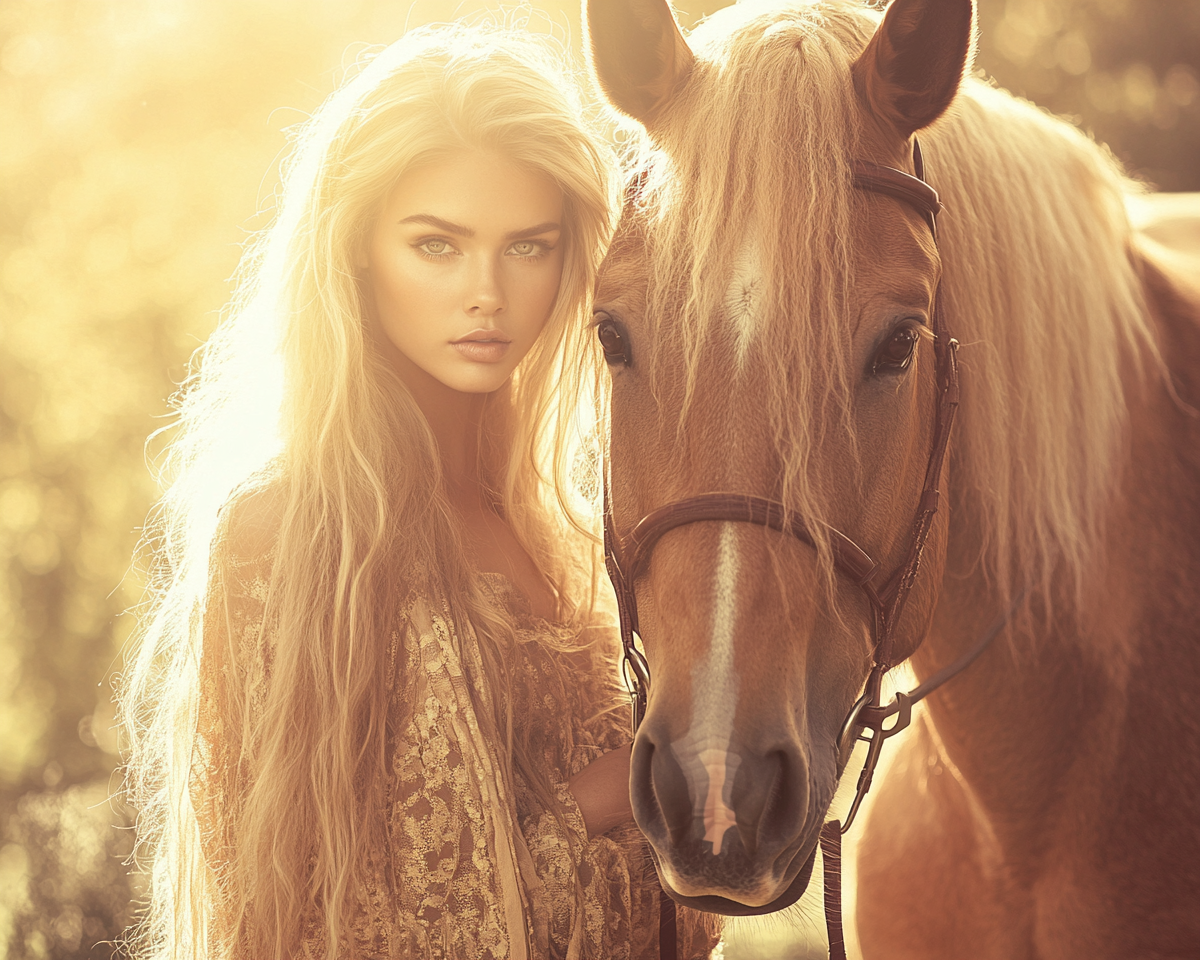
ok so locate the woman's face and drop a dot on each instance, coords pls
(464, 266)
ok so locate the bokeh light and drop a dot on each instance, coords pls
(139, 146)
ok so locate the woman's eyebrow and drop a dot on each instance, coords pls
(458, 229)
(431, 221)
(532, 231)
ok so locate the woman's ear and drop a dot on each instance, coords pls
(912, 68)
(638, 54)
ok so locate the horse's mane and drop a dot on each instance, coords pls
(1039, 284)
(1040, 280)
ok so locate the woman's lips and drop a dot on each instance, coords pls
(483, 346)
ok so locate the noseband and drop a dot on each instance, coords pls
(628, 556)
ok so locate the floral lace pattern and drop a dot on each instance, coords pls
(474, 868)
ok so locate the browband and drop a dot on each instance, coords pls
(899, 186)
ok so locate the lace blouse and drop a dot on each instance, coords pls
(472, 867)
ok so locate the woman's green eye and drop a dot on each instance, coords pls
(435, 247)
(524, 248)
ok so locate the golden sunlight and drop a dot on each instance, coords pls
(140, 152)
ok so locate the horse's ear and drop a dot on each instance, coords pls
(913, 66)
(638, 54)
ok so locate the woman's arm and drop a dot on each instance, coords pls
(602, 791)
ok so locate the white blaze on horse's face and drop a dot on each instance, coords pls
(704, 752)
(744, 297)
(824, 299)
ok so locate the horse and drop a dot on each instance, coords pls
(781, 343)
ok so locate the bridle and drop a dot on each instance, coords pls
(627, 556)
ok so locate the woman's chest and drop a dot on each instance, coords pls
(451, 698)
(494, 547)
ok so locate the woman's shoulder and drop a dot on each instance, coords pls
(241, 566)
(248, 524)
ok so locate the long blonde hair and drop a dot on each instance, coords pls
(289, 396)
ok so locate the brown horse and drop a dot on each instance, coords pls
(768, 331)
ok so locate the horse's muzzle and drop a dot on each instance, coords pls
(727, 824)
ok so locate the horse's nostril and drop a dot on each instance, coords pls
(753, 790)
(659, 791)
(641, 788)
(785, 800)
(760, 782)
(672, 795)
(771, 799)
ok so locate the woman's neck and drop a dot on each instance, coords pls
(455, 418)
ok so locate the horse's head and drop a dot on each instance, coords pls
(767, 328)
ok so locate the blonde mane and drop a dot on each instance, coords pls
(1040, 287)
(1044, 294)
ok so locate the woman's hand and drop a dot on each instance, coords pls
(602, 791)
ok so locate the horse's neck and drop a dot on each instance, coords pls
(1051, 712)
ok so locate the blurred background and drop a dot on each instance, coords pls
(139, 147)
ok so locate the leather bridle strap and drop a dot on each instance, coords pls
(627, 558)
(901, 186)
(832, 830)
(849, 558)
(901, 707)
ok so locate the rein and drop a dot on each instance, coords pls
(627, 557)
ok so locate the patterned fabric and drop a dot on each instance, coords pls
(473, 868)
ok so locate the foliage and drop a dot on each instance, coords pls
(136, 134)
(1127, 70)
(65, 843)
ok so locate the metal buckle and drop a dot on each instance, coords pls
(854, 729)
(635, 671)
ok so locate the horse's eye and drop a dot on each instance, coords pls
(897, 352)
(613, 339)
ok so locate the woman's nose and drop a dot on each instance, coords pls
(485, 294)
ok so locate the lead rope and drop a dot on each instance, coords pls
(831, 860)
(668, 931)
(831, 832)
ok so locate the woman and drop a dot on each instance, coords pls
(368, 717)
